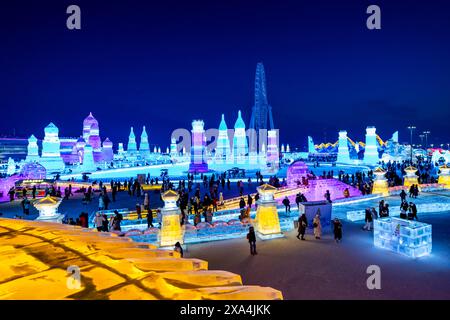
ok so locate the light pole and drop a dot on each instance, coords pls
(411, 129)
(426, 133)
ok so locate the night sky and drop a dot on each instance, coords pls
(164, 63)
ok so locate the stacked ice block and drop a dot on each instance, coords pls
(407, 237)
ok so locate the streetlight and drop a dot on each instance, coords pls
(411, 129)
(426, 133)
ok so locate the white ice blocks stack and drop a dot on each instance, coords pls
(343, 153)
(371, 151)
(410, 238)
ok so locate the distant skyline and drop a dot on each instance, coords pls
(163, 64)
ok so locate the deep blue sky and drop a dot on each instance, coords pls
(162, 64)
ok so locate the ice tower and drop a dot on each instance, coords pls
(240, 146)
(32, 150)
(51, 154)
(223, 143)
(343, 153)
(144, 148)
(131, 147)
(88, 164)
(198, 158)
(107, 152)
(273, 155)
(371, 150)
(311, 148)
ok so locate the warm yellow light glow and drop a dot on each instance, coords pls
(267, 221)
(380, 185)
(411, 177)
(35, 256)
(444, 176)
(171, 230)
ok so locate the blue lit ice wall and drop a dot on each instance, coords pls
(407, 237)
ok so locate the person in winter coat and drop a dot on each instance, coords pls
(146, 201)
(317, 226)
(287, 204)
(105, 223)
(368, 219)
(99, 221)
(337, 230)
(302, 224)
(179, 248)
(101, 203)
(251, 237)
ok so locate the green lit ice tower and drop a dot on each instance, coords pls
(223, 143)
(240, 145)
(343, 153)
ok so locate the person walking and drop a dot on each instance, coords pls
(105, 223)
(317, 226)
(302, 224)
(368, 219)
(251, 237)
(403, 195)
(412, 211)
(101, 203)
(337, 230)
(146, 201)
(178, 248)
(149, 219)
(287, 204)
(99, 221)
(138, 211)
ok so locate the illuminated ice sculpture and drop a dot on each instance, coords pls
(171, 230)
(131, 147)
(267, 222)
(380, 184)
(407, 237)
(223, 143)
(411, 177)
(144, 148)
(240, 145)
(343, 153)
(11, 169)
(48, 209)
(273, 155)
(88, 164)
(371, 150)
(108, 154)
(198, 157)
(311, 147)
(444, 175)
(32, 149)
(51, 153)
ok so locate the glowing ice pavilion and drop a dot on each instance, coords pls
(198, 150)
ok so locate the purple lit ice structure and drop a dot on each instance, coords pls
(33, 171)
(296, 172)
(198, 160)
